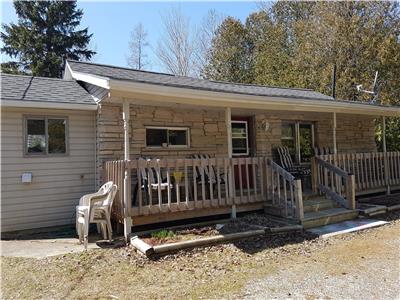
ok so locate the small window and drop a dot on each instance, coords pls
(45, 135)
(167, 137)
(240, 145)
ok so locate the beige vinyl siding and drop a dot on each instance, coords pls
(57, 182)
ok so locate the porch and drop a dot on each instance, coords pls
(202, 187)
(160, 179)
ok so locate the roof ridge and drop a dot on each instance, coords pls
(124, 68)
(39, 77)
(202, 79)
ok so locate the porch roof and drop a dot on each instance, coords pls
(167, 88)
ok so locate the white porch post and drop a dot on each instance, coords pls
(386, 165)
(127, 202)
(228, 123)
(334, 133)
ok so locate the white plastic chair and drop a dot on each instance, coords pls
(95, 208)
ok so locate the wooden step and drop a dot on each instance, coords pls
(318, 204)
(328, 216)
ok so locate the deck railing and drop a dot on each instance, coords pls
(161, 186)
(373, 171)
(286, 192)
(334, 182)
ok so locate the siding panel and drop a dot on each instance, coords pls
(57, 182)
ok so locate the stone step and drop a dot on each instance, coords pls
(318, 204)
(328, 216)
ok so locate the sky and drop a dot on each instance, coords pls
(112, 22)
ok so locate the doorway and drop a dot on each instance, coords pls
(242, 146)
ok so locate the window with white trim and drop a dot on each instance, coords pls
(240, 141)
(45, 136)
(172, 137)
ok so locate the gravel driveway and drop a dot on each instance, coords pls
(363, 267)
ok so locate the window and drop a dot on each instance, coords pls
(289, 138)
(167, 137)
(299, 138)
(45, 135)
(240, 144)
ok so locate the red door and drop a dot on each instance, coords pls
(241, 147)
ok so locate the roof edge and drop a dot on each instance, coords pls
(41, 104)
(224, 99)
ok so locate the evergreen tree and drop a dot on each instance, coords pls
(230, 54)
(44, 35)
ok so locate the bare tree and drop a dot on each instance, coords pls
(205, 35)
(175, 49)
(137, 57)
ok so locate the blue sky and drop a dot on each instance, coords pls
(112, 22)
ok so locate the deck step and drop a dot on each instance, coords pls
(318, 204)
(328, 216)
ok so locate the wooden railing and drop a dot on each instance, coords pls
(286, 192)
(373, 171)
(334, 182)
(198, 184)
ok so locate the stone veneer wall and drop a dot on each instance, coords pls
(207, 131)
(354, 133)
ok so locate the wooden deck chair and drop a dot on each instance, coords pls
(210, 174)
(286, 162)
(149, 178)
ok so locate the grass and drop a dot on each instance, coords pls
(163, 234)
(211, 273)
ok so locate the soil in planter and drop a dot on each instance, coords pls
(246, 223)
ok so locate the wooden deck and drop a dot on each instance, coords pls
(193, 188)
(199, 187)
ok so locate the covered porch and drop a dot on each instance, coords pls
(162, 183)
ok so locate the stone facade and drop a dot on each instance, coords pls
(354, 133)
(208, 131)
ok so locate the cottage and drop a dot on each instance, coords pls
(180, 147)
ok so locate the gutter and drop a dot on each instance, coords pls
(55, 105)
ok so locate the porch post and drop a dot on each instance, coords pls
(386, 165)
(228, 123)
(334, 134)
(127, 218)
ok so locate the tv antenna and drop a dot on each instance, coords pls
(373, 93)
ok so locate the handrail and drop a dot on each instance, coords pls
(286, 192)
(333, 181)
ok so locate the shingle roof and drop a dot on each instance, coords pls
(41, 89)
(120, 73)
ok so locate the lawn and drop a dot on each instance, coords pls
(232, 270)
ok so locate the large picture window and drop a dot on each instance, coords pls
(45, 136)
(299, 138)
(177, 137)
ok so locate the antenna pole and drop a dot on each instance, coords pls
(334, 82)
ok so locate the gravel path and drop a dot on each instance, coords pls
(363, 267)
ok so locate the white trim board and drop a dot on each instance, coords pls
(55, 105)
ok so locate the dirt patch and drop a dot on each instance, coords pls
(247, 223)
(359, 265)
